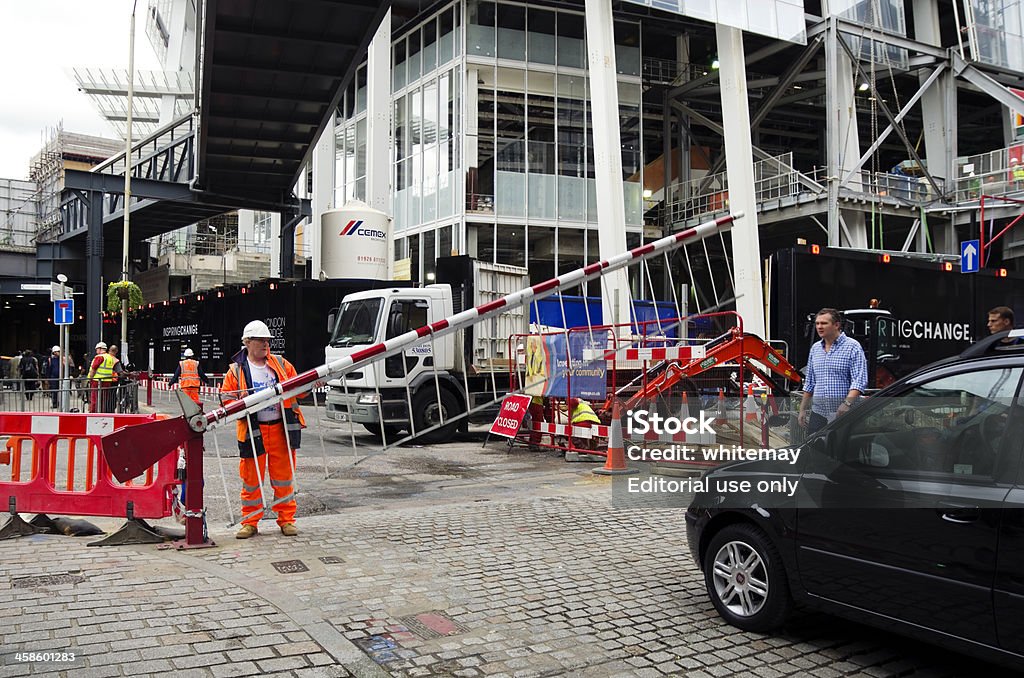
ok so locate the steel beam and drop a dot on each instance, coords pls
(987, 84)
(94, 293)
(114, 184)
(892, 119)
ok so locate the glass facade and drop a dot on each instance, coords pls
(492, 137)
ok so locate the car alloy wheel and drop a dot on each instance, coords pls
(746, 579)
(740, 578)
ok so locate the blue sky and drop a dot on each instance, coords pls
(40, 41)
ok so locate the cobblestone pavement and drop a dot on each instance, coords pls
(443, 561)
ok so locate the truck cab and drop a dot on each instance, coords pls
(376, 395)
(430, 385)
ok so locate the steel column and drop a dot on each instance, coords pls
(95, 294)
(611, 207)
(746, 250)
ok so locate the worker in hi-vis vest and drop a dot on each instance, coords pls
(264, 446)
(190, 376)
(102, 380)
(583, 416)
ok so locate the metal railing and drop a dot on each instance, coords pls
(76, 395)
(774, 179)
(166, 155)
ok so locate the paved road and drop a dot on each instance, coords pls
(422, 561)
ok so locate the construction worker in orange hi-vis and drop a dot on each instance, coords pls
(265, 446)
(189, 375)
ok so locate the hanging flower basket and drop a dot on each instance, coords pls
(123, 290)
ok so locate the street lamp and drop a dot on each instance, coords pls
(127, 184)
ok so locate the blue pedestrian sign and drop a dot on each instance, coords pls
(970, 256)
(64, 312)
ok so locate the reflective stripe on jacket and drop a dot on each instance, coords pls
(189, 373)
(236, 385)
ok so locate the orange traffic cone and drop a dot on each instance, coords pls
(615, 465)
(751, 412)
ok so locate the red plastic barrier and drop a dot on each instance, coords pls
(100, 494)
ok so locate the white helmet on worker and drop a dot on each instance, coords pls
(55, 349)
(257, 329)
(102, 345)
(189, 353)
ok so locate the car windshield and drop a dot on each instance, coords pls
(357, 322)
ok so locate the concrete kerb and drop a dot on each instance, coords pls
(308, 619)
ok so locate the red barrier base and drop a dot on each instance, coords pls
(184, 545)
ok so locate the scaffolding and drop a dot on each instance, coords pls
(62, 150)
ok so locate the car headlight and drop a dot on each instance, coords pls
(368, 399)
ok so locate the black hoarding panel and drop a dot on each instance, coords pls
(295, 312)
(937, 313)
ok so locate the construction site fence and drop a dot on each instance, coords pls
(52, 463)
(159, 387)
(73, 395)
(630, 359)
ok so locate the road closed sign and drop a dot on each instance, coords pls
(510, 418)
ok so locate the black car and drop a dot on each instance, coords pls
(909, 514)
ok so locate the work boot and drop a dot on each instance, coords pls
(246, 532)
(289, 530)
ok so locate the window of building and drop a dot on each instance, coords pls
(541, 253)
(627, 47)
(511, 244)
(444, 241)
(446, 43)
(480, 33)
(512, 32)
(540, 36)
(261, 227)
(429, 240)
(430, 60)
(571, 44)
(398, 76)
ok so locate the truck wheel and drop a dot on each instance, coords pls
(746, 579)
(427, 412)
(381, 432)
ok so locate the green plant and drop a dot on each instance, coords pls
(123, 289)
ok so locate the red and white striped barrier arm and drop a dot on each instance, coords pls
(318, 376)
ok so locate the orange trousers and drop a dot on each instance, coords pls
(192, 392)
(276, 461)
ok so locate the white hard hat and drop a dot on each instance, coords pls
(189, 353)
(55, 349)
(257, 329)
(102, 345)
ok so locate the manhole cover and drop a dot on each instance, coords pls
(434, 624)
(290, 566)
(46, 580)
(331, 560)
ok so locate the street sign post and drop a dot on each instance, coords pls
(970, 259)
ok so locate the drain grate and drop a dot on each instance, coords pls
(331, 560)
(290, 566)
(46, 580)
(433, 624)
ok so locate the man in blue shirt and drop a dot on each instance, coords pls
(837, 373)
